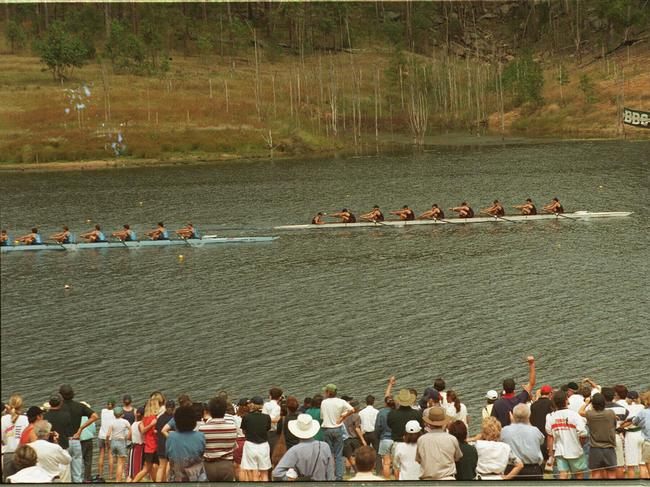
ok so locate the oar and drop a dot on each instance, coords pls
(497, 216)
(58, 244)
(560, 214)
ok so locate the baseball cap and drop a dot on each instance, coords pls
(111, 400)
(546, 389)
(573, 386)
(118, 410)
(434, 395)
(259, 400)
(170, 403)
(329, 388)
(33, 411)
(634, 395)
(242, 402)
(413, 426)
(492, 395)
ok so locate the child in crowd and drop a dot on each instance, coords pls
(119, 432)
(404, 463)
(107, 418)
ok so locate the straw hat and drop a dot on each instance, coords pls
(405, 398)
(304, 427)
(436, 416)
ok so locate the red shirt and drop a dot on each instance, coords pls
(24, 437)
(150, 437)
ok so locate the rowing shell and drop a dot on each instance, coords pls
(192, 242)
(578, 215)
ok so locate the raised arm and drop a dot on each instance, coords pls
(531, 374)
(389, 387)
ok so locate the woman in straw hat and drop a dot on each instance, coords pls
(311, 459)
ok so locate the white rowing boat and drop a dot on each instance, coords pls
(191, 242)
(578, 215)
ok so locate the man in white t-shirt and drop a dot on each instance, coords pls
(333, 410)
(50, 456)
(368, 416)
(566, 431)
(272, 408)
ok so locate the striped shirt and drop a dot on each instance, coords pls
(220, 438)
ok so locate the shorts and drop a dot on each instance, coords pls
(385, 447)
(633, 447)
(602, 458)
(118, 448)
(620, 454)
(151, 458)
(645, 455)
(256, 456)
(573, 465)
(103, 443)
(349, 446)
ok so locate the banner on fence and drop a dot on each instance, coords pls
(636, 118)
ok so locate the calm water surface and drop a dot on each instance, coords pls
(345, 306)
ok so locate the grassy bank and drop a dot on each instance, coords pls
(224, 108)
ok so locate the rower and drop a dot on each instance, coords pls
(94, 236)
(554, 207)
(318, 219)
(434, 213)
(374, 215)
(405, 213)
(126, 235)
(63, 237)
(495, 210)
(159, 233)
(345, 216)
(31, 239)
(188, 232)
(464, 210)
(528, 208)
(5, 241)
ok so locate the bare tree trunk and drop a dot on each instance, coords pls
(258, 101)
(275, 106)
(107, 18)
(225, 86)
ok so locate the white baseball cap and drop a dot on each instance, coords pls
(413, 426)
(492, 395)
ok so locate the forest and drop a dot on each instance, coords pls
(161, 80)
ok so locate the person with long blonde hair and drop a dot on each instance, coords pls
(493, 454)
(12, 427)
(148, 431)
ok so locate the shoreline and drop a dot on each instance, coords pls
(391, 144)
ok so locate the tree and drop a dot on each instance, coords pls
(61, 51)
(524, 79)
(15, 35)
(124, 50)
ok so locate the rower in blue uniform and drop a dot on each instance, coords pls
(94, 236)
(64, 237)
(126, 235)
(188, 232)
(160, 233)
(32, 239)
(5, 241)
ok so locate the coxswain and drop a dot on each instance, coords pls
(318, 219)
(528, 208)
(31, 239)
(125, 235)
(62, 237)
(495, 210)
(345, 216)
(4, 239)
(434, 213)
(188, 232)
(405, 213)
(374, 215)
(94, 236)
(554, 207)
(160, 233)
(464, 210)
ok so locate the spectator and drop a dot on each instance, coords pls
(455, 409)
(355, 435)
(306, 404)
(611, 398)
(119, 433)
(34, 413)
(161, 439)
(601, 424)
(503, 406)
(566, 432)
(272, 409)
(242, 410)
(86, 440)
(575, 398)
(333, 411)
(642, 420)
(525, 441)
(466, 466)
(310, 458)
(538, 412)
(184, 448)
(50, 456)
(633, 436)
(439, 385)
(490, 397)
(366, 459)
(59, 419)
(385, 436)
(368, 416)
(27, 470)
(437, 451)
(136, 454)
(220, 443)
(107, 418)
(292, 413)
(256, 457)
(127, 407)
(148, 431)
(406, 466)
(314, 412)
(494, 456)
(397, 418)
(13, 425)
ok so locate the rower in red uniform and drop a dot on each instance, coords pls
(495, 210)
(345, 216)
(528, 208)
(404, 214)
(374, 215)
(554, 207)
(434, 213)
(464, 210)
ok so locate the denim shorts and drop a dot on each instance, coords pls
(118, 448)
(102, 443)
(385, 447)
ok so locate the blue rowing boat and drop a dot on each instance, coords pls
(190, 242)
